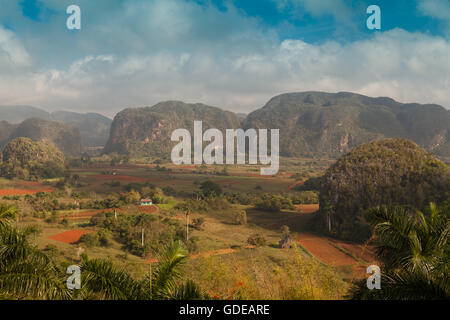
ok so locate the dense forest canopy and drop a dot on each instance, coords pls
(386, 172)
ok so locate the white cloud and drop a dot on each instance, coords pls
(199, 54)
(12, 53)
(435, 8)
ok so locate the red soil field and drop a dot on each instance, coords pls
(307, 208)
(324, 251)
(87, 214)
(105, 166)
(71, 236)
(360, 251)
(189, 167)
(123, 178)
(227, 181)
(117, 177)
(147, 209)
(21, 192)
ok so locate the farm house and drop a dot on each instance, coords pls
(146, 202)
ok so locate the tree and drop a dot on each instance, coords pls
(210, 189)
(25, 271)
(257, 240)
(414, 250)
(285, 231)
(7, 213)
(161, 283)
(241, 217)
(198, 223)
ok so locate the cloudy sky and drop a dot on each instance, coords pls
(235, 54)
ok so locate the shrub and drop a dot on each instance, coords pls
(257, 240)
(241, 217)
(197, 223)
(89, 240)
(210, 189)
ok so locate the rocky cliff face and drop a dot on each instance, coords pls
(327, 124)
(310, 123)
(147, 131)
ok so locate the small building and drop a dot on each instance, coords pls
(146, 202)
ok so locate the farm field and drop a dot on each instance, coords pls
(217, 241)
(20, 188)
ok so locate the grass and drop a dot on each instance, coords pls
(267, 272)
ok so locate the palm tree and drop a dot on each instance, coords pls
(101, 280)
(162, 282)
(8, 213)
(414, 251)
(25, 271)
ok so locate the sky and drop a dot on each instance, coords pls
(233, 54)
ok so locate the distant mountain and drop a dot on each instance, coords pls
(6, 129)
(330, 124)
(93, 127)
(241, 115)
(17, 114)
(147, 131)
(63, 136)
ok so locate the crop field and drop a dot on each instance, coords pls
(72, 236)
(20, 188)
(218, 240)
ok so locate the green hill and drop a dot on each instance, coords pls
(330, 124)
(385, 172)
(93, 127)
(30, 160)
(66, 138)
(147, 131)
(6, 129)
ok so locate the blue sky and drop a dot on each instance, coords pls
(234, 54)
(306, 25)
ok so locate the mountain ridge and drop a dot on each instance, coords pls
(318, 123)
(93, 127)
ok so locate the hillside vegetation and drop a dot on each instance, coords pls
(29, 160)
(66, 138)
(93, 127)
(147, 131)
(386, 172)
(330, 124)
(6, 129)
